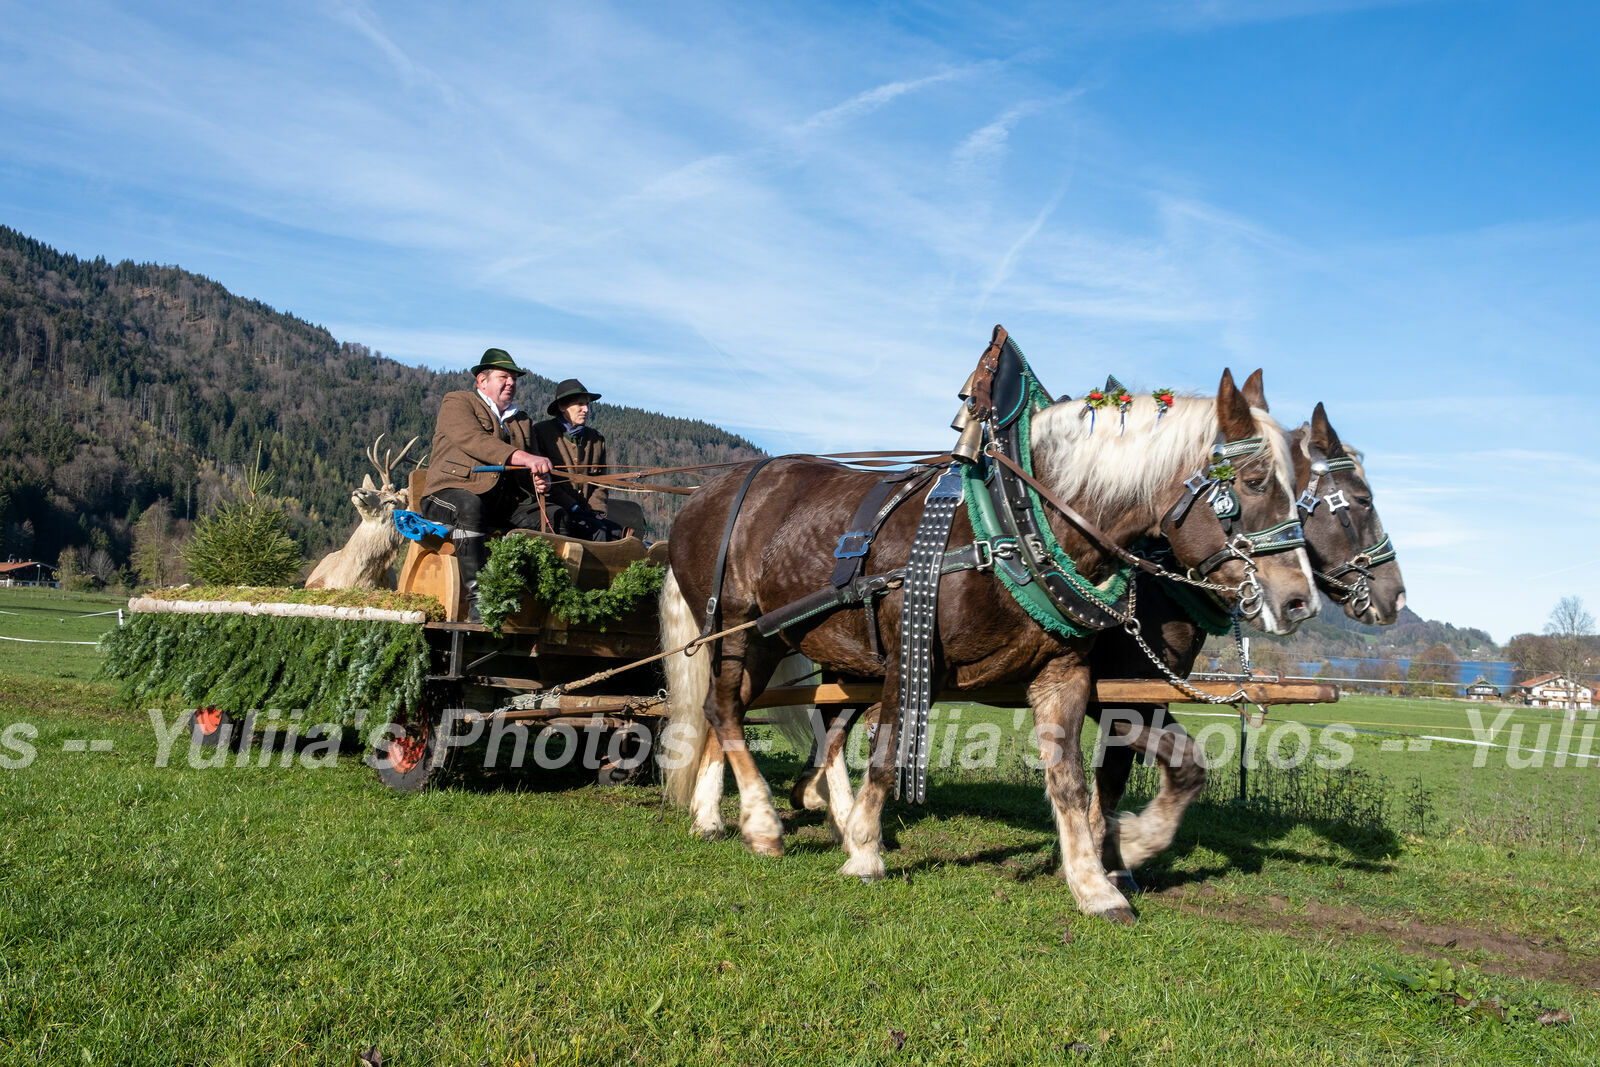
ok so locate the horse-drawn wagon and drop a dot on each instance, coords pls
(1149, 534)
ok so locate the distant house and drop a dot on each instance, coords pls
(25, 572)
(1554, 691)
(1483, 689)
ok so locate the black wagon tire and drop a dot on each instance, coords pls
(412, 756)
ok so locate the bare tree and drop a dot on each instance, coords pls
(1570, 626)
(157, 546)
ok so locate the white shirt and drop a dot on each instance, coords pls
(511, 409)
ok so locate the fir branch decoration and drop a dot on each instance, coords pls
(519, 564)
(333, 671)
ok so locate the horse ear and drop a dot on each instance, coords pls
(1233, 410)
(1322, 433)
(1253, 392)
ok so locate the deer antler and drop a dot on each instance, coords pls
(389, 460)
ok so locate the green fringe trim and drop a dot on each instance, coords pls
(332, 670)
(1039, 607)
(520, 564)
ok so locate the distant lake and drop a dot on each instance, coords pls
(1496, 672)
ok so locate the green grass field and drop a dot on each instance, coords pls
(45, 629)
(248, 914)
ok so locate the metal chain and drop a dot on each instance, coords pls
(1357, 594)
(1133, 627)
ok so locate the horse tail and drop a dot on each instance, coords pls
(686, 731)
(794, 723)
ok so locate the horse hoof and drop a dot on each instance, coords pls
(765, 846)
(708, 833)
(867, 872)
(1120, 916)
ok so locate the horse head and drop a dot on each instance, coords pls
(1247, 532)
(1351, 556)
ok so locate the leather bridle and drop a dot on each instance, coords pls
(1355, 593)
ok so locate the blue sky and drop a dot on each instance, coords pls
(800, 220)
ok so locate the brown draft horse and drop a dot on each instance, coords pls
(1123, 482)
(1374, 596)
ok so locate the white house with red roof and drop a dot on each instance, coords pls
(1554, 691)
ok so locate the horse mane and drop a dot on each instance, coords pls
(1128, 463)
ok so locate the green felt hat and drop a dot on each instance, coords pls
(498, 359)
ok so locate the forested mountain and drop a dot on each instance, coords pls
(126, 385)
(1334, 634)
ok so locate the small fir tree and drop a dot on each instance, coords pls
(245, 541)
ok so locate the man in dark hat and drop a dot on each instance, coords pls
(484, 428)
(574, 447)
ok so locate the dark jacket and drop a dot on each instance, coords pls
(468, 435)
(582, 453)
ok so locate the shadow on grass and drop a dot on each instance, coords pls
(1351, 812)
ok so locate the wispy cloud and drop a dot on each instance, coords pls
(871, 100)
(360, 17)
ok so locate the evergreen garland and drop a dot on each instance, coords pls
(330, 669)
(520, 564)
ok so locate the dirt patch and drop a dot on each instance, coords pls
(1508, 954)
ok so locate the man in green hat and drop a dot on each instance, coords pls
(484, 428)
(576, 509)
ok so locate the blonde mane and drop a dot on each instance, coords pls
(1128, 464)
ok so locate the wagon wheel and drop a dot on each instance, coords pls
(211, 726)
(413, 755)
(628, 767)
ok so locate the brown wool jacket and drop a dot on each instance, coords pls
(584, 454)
(468, 436)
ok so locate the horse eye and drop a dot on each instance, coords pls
(1257, 485)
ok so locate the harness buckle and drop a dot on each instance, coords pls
(1197, 481)
(853, 545)
(984, 550)
(1336, 500)
(1308, 502)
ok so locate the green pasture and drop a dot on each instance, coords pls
(272, 914)
(40, 623)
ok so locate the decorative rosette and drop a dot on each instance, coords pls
(1096, 398)
(1163, 399)
(1123, 399)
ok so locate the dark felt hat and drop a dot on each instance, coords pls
(498, 359)
(568, 391)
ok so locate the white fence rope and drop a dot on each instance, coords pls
(33, 641)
